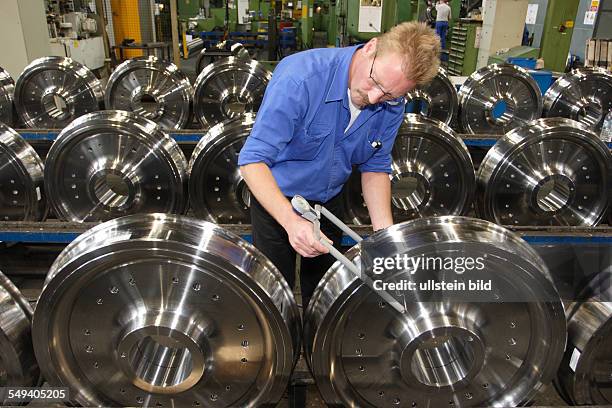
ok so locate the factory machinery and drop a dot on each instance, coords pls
(162, 301)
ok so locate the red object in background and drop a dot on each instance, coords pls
(285, 24)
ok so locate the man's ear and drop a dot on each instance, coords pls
(370, 46)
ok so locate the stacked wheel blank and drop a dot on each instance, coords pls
(153, 89)
(497, 98)
(7, 87)
(18, 364)
(432, 174)
(437, 100)
(113, 163)
(584, 95)
(173, 312)
(229, 88)
(549, 172)
(53, 91)
(217, 191)
(362, 352)
(22, 195)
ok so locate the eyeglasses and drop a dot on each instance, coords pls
(386, 95)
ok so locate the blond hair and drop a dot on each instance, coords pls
(419, 47)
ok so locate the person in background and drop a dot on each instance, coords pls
(443, 16)
(430, 14)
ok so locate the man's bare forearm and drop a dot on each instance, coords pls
(263, 186)
(376, 189)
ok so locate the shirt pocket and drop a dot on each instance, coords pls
(366, 148)
(307, 145)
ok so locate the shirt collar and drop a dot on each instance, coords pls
(339, 85)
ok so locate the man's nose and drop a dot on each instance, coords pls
(375, 95)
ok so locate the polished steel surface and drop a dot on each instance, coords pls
(553, 171)
(437, 100)
(53, 91)
(437, 354)
(18, 365)
(432, 174)
(7, 87)
(154, 89)
(22, 195)
(584, 95)
(585, 375)
(229, 88)
(497, 98)
(174, 311)
(221, 50)
(113, 163)
(217, 191)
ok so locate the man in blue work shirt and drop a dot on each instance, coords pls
(324, 111)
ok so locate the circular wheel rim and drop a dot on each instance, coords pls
(7, 88)
(438, 100)
(154, 89)
(113, 163)
(53, 91)
(551, 172)
(205, 269)
(22, 196)
(432, 174)
(217, 191)
(341, 351)
(229, 88)
(582, 95)
(497, 98)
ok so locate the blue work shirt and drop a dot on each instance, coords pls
(299, 128)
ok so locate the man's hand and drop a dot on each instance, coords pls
(302, 239)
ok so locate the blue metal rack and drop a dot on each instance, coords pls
(193, 136)
(57, 232)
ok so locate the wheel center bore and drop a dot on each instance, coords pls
(441, 361)
(502, 112)
(409, 191)
(439, 351)
(163, 358)
(55, 105)
(590, 113)
(112, 190)
(553, 193)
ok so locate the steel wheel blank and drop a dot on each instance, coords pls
(18, 367)
(154, 89)
(438, 100)
(432, 174)
(584, 376)
(551, 172)
(173, 312)
(7, 87)
(22, 196)
(113, 163)
(497, 98)
(362, 352)
(53, 91)
(217, 191)
(584, 95)
(229, 88)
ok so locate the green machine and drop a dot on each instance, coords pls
(557, 34)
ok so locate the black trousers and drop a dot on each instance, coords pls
(272, 239)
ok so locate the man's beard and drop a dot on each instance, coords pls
(364, 98)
